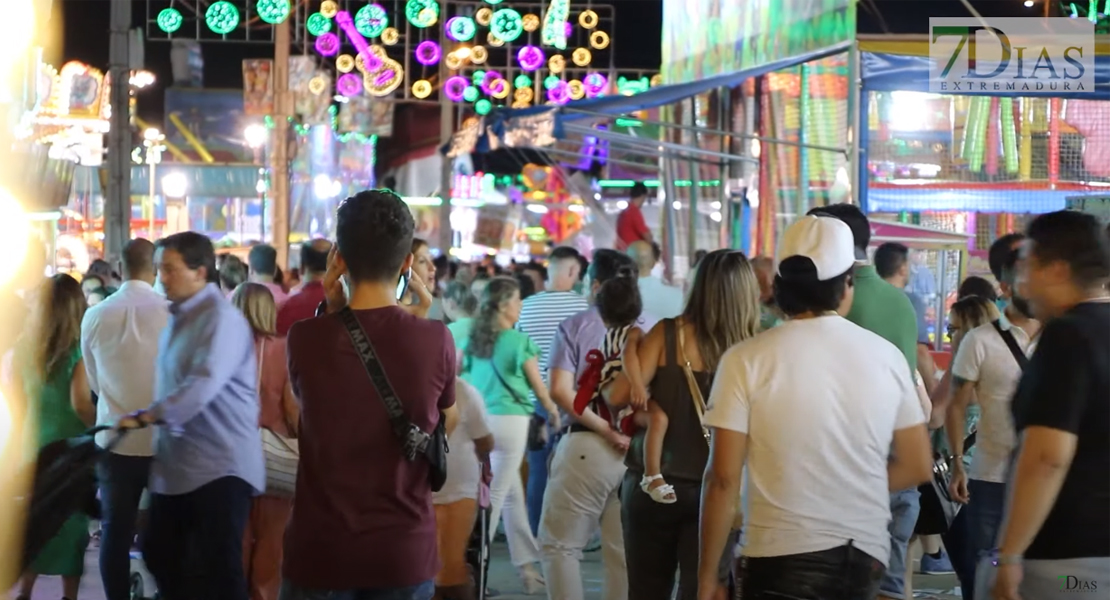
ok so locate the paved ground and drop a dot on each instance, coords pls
(502, 578)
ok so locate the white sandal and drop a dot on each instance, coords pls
(663, 494)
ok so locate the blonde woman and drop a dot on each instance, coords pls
(262, 539)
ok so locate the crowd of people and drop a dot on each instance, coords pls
(773, 429)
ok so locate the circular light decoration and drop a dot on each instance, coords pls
(582, 57)
(428, 53)
(455, 87)
(422, 89)
(559, 94)
(531, 22)
(222, 17)
(530, 58)
(519, 104)
(599, 40)
(523, 82)
(318, 24)
(345, 63)
(595, 84)
(479, 55)
(656, 79)
(507, 25)
(500, 89)
(349, 85)
(170, 20)
(422, 13)
(461, 29)
(371, 20)
(317, 85)
(488, 80)
(328, 44)
(470, 94)
(483, 16)
(494, 2)
(483, 106)
(576, 90)
(556, 64)
(588, 19)
(523, 95)
(493, 40)
(272, 11)
(370, 62)
(551, 81)
(477, 77)
(391, 36)
(329, 8)
(452, 61)
(387, 78)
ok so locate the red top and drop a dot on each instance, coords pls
(273, 375)
(631, 227)
(362, 515)
(300, 306)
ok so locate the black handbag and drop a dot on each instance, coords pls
(938, 508)
(416, 442)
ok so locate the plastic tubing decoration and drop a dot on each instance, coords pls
(1009, 136)
(349, 85)
(455, 87)
(327, 44)
(992, 140)
(977, 119)
(1025, 150)
(969, 127)
(1053, 141)
(530, 58)
(428, 53)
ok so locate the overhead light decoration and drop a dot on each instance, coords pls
(493, 40)
(595, 84)
(422, 89)
(530, 58)
(483, 106)
(489, 80)
(576, 90)
(345, 63)
(599, 40)
(483, 16)
(582, 57)
(422, 13)
(555, 24)
(560, 93)
(329, 8)
(391, 36)
(318, 24)
(556, 64)
(349, 85)
(371, 20)
(507, 25)
(588, 19)
(428, 53)
(170, 20)
(455, 87)
(273, 11)
(523, 81)
(327, 44)
(479, 55)
(471, 93)
(222, 17)
(531, 22)
(461, 29)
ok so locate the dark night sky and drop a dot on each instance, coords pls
(639, 22)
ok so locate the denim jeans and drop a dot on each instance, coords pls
(420, 591)
(122, 480)
(904, 508)
(842, 573)
(537, 482)
(984, 518)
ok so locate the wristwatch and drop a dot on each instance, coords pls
(1007, 559)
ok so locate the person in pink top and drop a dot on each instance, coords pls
(262, 261)
(262, 543)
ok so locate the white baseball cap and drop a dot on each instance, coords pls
(826, 242)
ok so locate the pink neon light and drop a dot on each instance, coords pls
(347, 24)
(349, 84)
(327, 44)
(530, 58)
(455, 87)
(490, 78)
(385, 78)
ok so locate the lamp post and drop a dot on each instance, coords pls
(152, 141)
(256, 137)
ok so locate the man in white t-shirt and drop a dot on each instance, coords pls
(813, 407)
(985, 368)
(660, 300)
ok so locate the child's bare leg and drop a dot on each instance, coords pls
(653, 482)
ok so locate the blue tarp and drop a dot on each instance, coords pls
(918, 199)
(204, 181)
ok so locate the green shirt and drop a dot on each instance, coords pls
(460, 331)
(885, 310)
(506, 395)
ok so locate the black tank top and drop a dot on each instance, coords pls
(685, 452)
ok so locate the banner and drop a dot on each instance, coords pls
(497, 226)
(311, 90)
(258, 87)
(367, 116)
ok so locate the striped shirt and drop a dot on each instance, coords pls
(541, 314)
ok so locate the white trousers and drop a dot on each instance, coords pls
(506, 493)
(583, 489)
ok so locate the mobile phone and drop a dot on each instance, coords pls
(403, 284)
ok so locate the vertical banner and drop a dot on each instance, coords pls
(258, 87)
(367, 116)
(311, 90)
(497, 226)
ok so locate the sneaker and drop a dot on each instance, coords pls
(936, 566)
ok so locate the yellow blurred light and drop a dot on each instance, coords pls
(588, 19)
(531, 22)
(422, 89)
(329, 8)
(484, 16)
(599, 40)
(478, 55)
(582, 57)
(15, 230)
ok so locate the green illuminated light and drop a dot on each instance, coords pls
(477, 77)
(170, 20)
(222, 17)
(273, 11)
(318, 24)
(523, 81)
(623, 122)
(550, 82)
(654, 183)
(371, 20)
(483, 107)
(470, 94)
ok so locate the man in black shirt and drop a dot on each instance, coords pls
(1056, 533)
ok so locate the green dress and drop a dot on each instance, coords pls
(55, 420)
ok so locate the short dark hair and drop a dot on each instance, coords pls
(526, 284)
(800, 292)
(374, 232)
(999, 250)
(196, 251)
(138, 257)
(1075, 238)
(853, 217)
(638, 190)
(262, 259)
(535, 266)
(618, 300)
(977, 286)
(608, 263)
(563, 253)
(233, 272)
(584, 267)
(890, 257)
(657, 251)
(314, 259)
(1009, 267)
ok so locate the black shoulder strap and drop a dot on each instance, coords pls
(1011, 343)
(414, 440)
(505, 384)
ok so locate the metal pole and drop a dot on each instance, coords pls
(855, 98)
(117, 197)
(150, 159)
(679, 149)
(283, 106)
(446, 130)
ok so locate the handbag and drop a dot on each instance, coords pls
(414, 441)
(537, 425)
(938, 508)
(282, 454)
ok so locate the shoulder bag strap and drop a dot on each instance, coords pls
(414, 440)
(1011, 343)
(505, 384)
(695, 391)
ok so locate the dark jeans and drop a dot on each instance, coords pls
(662, 538)
(974, 531)
(421, 591)
(194, 543)
(122, 481)
(843, 573)
(537, 482)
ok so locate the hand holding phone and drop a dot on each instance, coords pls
(334, 293)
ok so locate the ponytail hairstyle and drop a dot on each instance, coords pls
(618, 300)
(486, 329)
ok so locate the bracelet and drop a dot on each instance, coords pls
(1008, 559)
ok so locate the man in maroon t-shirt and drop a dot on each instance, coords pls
(631, 226)
(302, 305)
(363, 525)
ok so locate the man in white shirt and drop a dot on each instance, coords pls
(119, 343)
(660, 300)
(812, 407)
(985, 368)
